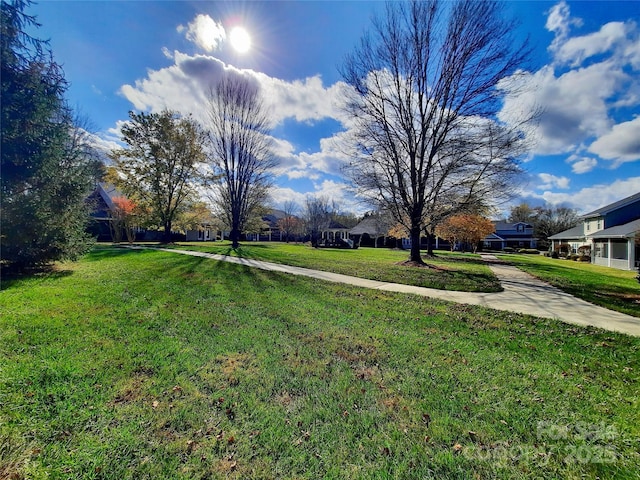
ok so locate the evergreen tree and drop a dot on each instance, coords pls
(45, 172)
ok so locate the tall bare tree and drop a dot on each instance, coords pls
(318, 213)
(241, 151)
(290, 222)
(160, 166)
(424, 103)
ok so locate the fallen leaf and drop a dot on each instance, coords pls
(426, 418)
(155, 404)
(457, 448)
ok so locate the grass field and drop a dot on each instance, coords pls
(608, 287)
(463, 272)
(144, 364)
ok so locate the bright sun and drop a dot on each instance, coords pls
(240, 39)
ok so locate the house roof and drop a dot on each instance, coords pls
(493, 236)
(619, 231)
(510, 226)
(333, 225)
(108, 192)
(370, 225)
(575, 232)
(613, 206)
(273, 216)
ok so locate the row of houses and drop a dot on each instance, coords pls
(612, 232)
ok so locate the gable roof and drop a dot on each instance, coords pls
(613, 206)
(371, 225)
(575, 232)
(500, 225)
(493, 236)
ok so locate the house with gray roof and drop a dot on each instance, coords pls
(513, 235)
(612, 232)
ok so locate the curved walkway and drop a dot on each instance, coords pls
(522, 293)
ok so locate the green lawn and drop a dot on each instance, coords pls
(450, 271)
(608, 287)
(145, 364)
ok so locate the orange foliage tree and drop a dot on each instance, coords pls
(122, 219)
(465, 228)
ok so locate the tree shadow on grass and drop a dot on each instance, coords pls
(51, 272)
(103, 252)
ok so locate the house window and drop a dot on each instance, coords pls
(599, 224)
(520, 228)
(619, 250)
(601, 250)
(574, 248)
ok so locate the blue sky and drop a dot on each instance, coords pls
(148, 55)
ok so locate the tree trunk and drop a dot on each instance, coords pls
(414, 256)
(234, 235)
(430, 244)
(166, 237)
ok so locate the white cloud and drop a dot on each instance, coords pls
(560, 22)
(205, 32)
(593, 197)
(576, 103)
(621, 144)
(573, 106)
(334, 191)
(581, 165)
(575, 50)
(550, 181)
(167, 53)
(184, 85)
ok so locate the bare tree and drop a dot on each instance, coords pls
(318, 214)
(551, 220)
(546, 220)
(241, 150)
(424, 105)
(290, 222)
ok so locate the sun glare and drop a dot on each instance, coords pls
(240, 40)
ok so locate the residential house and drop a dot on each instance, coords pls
(205, 233)
(101, 203)
(335, 234)
(371, 231)
(513, 235)
(612, 232)
(270, 232)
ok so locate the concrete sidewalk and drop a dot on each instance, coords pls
(522, 293)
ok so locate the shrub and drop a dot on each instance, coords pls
(554, 254)
(508, 249)
(584, 258)
(585, 250)
(529, 251)
(573, 256)
(562, 249)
